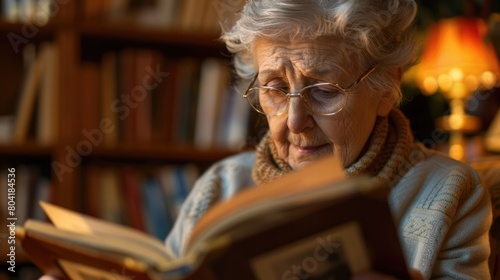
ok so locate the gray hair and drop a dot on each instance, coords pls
(375, 32)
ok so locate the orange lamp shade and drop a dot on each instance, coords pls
(456, 58)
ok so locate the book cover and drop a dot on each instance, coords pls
(144, 61)
(28, 96)
(93, 190)
(215, 77)
(185, 99)
(48, 106)
(90, 75)
(133, 197)
(156, 213)
(109, 93)
(112, 198)
(126, 108)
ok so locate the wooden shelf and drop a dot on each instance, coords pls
(30, 151)
(120, 34)
(80, 44)
(132, 32)
(32, 31)
(156, 154)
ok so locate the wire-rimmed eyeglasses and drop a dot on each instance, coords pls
(320, 98)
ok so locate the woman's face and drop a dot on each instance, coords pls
(299, 135)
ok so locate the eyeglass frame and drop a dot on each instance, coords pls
(299, 92)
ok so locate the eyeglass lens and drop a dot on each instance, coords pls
(323, 99)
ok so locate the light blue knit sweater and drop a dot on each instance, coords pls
(441, 210)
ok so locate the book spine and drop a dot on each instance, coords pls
(108, 94)
(156, 212)
(29, 92)
(134, 198)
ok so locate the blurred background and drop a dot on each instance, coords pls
(113, 108)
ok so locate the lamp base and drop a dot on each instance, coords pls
(459, 123)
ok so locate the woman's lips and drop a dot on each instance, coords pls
(310, 149)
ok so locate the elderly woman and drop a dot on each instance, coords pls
(326, 75)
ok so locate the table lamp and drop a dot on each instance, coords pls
(457, 61)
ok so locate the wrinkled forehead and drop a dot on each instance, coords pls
(318, 57)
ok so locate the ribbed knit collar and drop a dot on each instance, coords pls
(388, 148)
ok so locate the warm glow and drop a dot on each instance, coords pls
(430, 85)
(457, 151)
(445, 82)
(457, 61)
(458, 91)
(456, 74)
(471, 82)
(456, 121)
(489, 79)
(456, 53)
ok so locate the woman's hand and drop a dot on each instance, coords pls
(414, 274)
(47, 277)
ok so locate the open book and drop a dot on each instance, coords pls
(311, 223)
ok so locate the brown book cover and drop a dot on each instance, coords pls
(127, 107)
(185, 99)
(144, 85)
(92, 190)
(48, 114)
(90, 76)
(133, 197)
(164, 102)
(109, 97)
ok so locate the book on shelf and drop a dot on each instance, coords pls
(214, 82)
(28, 94)
(48, 105)
(149, 97)
(146, 198)
(38, 12)
(183, 15)
(157, 218)
(108, 93)
(312, 222)
(31, 185)
(36, 114)
(185, 99)
(232, 128)
(90, 81)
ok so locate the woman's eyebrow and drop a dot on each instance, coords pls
(269, 72)
(326, 74)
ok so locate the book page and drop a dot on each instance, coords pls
(67, 220)
(104, 247)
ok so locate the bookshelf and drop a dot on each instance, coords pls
(71, 157)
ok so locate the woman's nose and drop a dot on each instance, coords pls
(299, 117)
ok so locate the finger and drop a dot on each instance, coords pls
(416, 275)
(47, 277)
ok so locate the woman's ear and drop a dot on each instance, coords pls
(386, 104)
(388, 99)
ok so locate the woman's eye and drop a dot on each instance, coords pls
(277, 84)
(325, 91)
